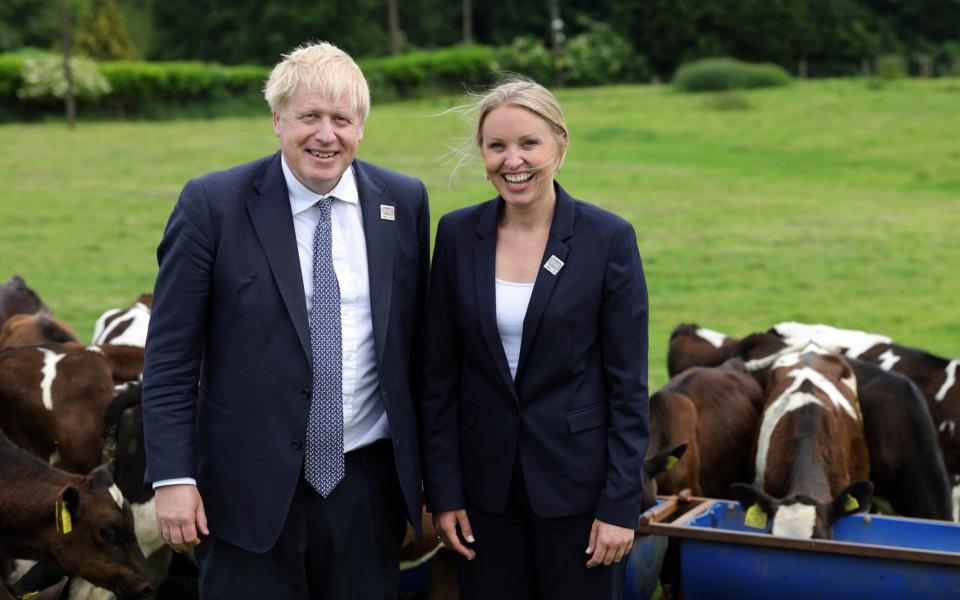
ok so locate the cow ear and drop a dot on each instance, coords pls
(67, 509)
(856, 497)
(758, 506)
(664, 460)
(101, 476)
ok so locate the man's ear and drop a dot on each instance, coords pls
(855, 498)
(276, 122)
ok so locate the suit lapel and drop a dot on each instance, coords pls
(484, 270)
(560, 232)
(272, 221)
(380, 235)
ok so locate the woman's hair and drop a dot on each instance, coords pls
(322, 68)
(514, 90)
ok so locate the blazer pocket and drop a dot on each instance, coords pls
(208, 398)
(468, 415)
(588, 417)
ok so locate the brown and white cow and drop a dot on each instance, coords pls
(715, 411)
(35, 329)
(695, 346)
(936, 377)
(811, 458)
(17, 298)
(125, 326)
(52, 401)
(81, 521)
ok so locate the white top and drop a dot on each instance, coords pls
(512, 301)
(364, 416)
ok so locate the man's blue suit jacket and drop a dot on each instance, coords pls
(227, 376)
(576, 414)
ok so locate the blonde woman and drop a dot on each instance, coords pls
(535, 397)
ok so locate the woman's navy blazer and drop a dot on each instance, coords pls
(575, 416)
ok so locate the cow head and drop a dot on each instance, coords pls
(16, 298)
(800, 516)
(95, 536)
(695, 346)
(653, 465)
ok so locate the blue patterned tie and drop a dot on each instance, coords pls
(324, 460)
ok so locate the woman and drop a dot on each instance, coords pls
(535, 388)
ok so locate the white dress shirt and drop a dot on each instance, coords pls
(364, 416)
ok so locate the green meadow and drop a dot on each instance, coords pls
(831, 201)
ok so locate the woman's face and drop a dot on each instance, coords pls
(520, 154)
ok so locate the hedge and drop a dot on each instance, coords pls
(718, 74)
(164, 89)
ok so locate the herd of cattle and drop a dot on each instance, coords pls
(802, 424)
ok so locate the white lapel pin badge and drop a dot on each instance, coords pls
(553, 264)
(388, 213)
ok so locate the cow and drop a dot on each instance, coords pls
(127, 326)
(126, 361)
(715, 411)
(52, 402)
(52, 592)
(442, 564)
(936, 377)
(905, 462)
(811, 458)
(695, 346)
(81, 521)
(35, 329)
(16, 299)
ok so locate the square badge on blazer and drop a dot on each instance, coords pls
(387, 212)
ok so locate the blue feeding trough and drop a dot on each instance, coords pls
(870, 556)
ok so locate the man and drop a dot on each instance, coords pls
(283, 351)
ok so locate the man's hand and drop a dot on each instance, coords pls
(608, 543)
(446, 523)
(180, 515)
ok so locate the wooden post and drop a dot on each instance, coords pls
(70, 102)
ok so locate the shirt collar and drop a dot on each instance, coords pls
(302, 197)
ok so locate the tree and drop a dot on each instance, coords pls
(28, 23)
(101, 32)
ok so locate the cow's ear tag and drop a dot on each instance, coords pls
(64, 521)
(29, 595)
(755, 518)
(671, 462)
(851, 504)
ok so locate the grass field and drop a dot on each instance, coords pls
(829, 201)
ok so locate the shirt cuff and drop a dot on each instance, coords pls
(177, 481)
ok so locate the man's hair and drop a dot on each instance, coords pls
(322, 68)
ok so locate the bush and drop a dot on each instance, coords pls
(44, 79)
(890, 67)
(601, 55)
(717, 74)
(526, 55)
(11, 75)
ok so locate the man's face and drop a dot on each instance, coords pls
(318, 138)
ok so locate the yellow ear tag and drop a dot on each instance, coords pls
(851, 504)
(64, 522)
(756, 518)
(671, 462)
(29, 596)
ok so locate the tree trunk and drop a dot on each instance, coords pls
(70, 102)
(466, 7)
(393, 24)
(556, 36)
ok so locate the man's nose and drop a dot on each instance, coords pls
(324, 130)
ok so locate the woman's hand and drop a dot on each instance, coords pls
(608, 543)
(446, 524)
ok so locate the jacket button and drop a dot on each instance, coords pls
(296, 445)
(305, 393)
